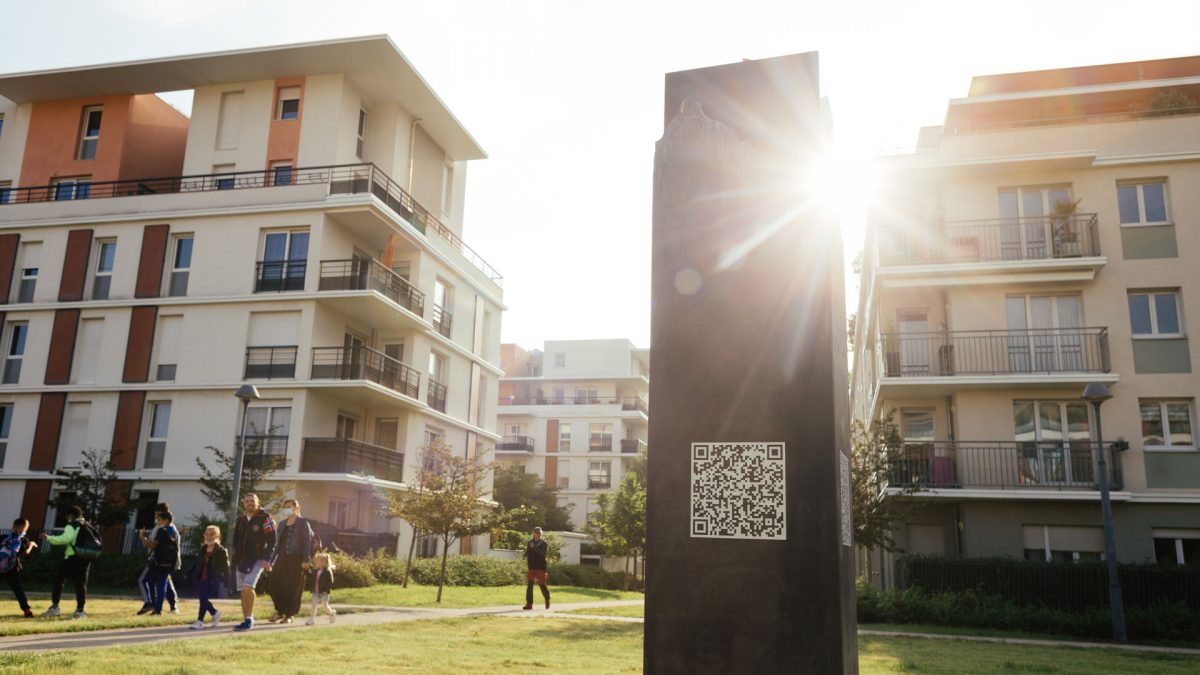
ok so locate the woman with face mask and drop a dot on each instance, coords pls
(293, 553)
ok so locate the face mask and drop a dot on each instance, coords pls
(285, 513)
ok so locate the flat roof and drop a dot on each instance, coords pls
(373, 62)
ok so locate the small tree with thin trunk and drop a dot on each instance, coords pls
(619, 523)
(90, 488)
(445, 499)
(876, 452)
(216, 483)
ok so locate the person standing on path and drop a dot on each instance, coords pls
(14, 547)
(211, 566)
(73, 567)
(144, 583)
(292, 558)
(322, 572)
(535, 558)
(165, 547)
(253, 548)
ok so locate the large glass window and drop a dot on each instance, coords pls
(15, 352)
(106, 258)
(599, 475)
(1054, 442)
(564, 437)
(90, 135)
(284, 262)
(1026, 228)
(1154, 313)
(181, 265)
(66, 189)
(281, 173)
(31, 255)
(156, 436)
(600, 437)
(267, 429)
(1166, 424)
(1177, 547)
(1143, 203)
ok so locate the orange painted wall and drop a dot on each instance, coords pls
(283, 137)
(140, 137)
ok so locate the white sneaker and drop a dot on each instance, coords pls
(310, 622)
(53, 611)
(332, 616)
(174, 610)
(79, 615)
(216, 618)
(198, 625)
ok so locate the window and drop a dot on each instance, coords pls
(600, 437)
(224, 175)
(347, 426)
(31, 255)
(15, 352)
(106, 257)
(563, 479)
(1154, 314)
(1054, 443)
(1176, 547)
(433, 436)
(281, 173)
(437, 367)
(564, 437)
(362, 133)
(284, 262)
(339, 513)
(560, 395)
(1, 125)
(6, 413)
(1142, 203)
(583, 396)
(289, 104)
(87, 350)
(1054, 543)
(560, 359)
(167, 351)
(229, 120)
(156, 436)
(599, 475)
(267, 429)
(387, 433)
(5, 191)
(271, 346)
(77, 187)
(90, 135)
(74, 439)
(427, 547)
(1166, 424)
(181, 265)
(443, 296)
(1024, 234)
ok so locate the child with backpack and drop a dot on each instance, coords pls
(209, 571)
(144, 584)
(165, 548)
(322, 588)
(82, 544)
(12, 548)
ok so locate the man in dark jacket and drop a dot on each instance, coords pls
(535, 558)
(253, 549)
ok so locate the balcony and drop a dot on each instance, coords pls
(515, 444)
(632, 446)
(279, 276)
(435, 396)
(270, 363)
(1067, 247)
(264, 452)
(1002, 465)
(364, 363)
(176, 193)
(361, 274)
(343, 455)
(442, 318)
(600, 443)
(627, 403)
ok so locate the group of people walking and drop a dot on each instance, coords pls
(288, 548)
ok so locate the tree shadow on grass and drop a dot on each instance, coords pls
(597, 593)
(589, 630)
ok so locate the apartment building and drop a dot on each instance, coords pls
(574, 413)
(301, 231)
(1043, 238)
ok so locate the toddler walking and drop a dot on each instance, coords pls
(322, 572)
(209, 572)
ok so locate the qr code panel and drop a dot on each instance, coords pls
(738, 491)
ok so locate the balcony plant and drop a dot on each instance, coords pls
(1064, 229)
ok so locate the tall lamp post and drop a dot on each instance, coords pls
(245, 394)
(1096, 393)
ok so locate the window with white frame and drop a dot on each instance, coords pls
(586, 395)
(360, 143)
(1176, 546)
(181, 265)
(1154, 314)
(434, 435)
(288, 107)
(74, 437)
(564, 437)
(563, 479)
(31, 260)
(559, 395)
(224, 176)
(267, 428)
(14, 351)
(1062, 543)
(167, 350)
(87, 350)
(71, 187)
(339, 513)
(6, 413)
(600, 437)
(90, 133)
(106, 258)
(1166, 424)
(281, 172)
(1143, 202)
(156, 435)
(437, 367)
(599, 475)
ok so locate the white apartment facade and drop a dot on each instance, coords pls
(1042, 239)
(574, 413)
(301, 232)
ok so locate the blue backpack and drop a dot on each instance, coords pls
(10, 548)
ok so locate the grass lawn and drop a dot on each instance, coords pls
(468, 596)
(108, 613)
(499, 644)
(638, 611)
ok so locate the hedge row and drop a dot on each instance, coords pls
(463, 570)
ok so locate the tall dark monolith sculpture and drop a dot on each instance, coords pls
(750, 566)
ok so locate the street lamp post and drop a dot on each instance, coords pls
(245, 393)
(1096, 393)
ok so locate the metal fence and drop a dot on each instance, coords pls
(996, 240)
(358, 274)
(995, 352)
(1002, 465)
(344, 455)
(364, 363)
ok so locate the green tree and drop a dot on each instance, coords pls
(216, 483)
(618, 525)
(93, 487)
(515, 489)
(445, 499)
(876, 452)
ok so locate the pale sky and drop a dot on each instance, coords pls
(566, 98)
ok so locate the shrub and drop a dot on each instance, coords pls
(509, 540)
(470, 570)
(352, 572)
(387, 569)
(585, 576)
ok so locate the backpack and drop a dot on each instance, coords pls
(88, 545)
(166, 554)
(9, 550)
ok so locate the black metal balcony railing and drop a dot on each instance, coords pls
(277, 276)
(631, 446)
(599, 481)
(516, 444)
(270, 363)
(1040, 238)
(435, 396)
(343, 179)
(359, 274)
(364, 363)
(600, 443)
(1002, 465)
(626, 402)
(264, 450)
(995, 352)
(442, 319)
(343, 455)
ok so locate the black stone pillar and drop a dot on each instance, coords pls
(750, 564)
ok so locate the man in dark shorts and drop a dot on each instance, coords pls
(535, 557)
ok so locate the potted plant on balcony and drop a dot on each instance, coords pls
(889, 342)
(1065, 230)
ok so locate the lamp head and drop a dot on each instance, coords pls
(1096, 392)
(247, 393)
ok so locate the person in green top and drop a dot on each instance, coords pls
(72, 567)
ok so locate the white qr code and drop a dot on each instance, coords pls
(738, 491)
